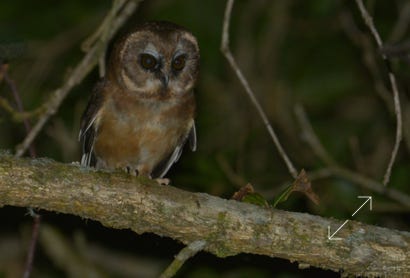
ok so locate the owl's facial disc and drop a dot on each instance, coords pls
(156, 64)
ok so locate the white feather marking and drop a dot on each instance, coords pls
(129, 83)
(150, 49)
(191, 38)
(86, 157)
(193, 137)
(94, 123)
(150, 85)
(82, 132)
(174, 158)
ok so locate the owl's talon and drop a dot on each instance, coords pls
(163, 181)
(131, 171)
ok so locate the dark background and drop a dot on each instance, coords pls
(292, 52)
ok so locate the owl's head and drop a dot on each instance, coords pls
(157, 59)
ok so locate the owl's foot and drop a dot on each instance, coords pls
(136, 173)
(163, 181)
(131, 171)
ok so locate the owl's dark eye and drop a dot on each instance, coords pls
(178, 63)
(148, 61)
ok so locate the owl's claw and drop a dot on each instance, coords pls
(135, 173)
(163, 181)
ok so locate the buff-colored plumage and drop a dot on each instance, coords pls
(142, 112)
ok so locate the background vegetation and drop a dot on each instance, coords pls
(315, 53)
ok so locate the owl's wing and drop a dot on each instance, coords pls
(88, 127)
(163, 167)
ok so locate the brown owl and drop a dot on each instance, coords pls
(142, 112)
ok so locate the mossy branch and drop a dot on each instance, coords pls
(229, 227)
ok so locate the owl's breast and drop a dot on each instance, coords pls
(140, 136)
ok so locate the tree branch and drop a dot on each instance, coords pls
(392, 78)
(311, 138)
(229, 227)
(89, 61)
(226, 51)
(189, 251)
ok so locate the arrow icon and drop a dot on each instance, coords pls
(369, 198)
(331, 236)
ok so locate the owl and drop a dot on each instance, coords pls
(141, 113)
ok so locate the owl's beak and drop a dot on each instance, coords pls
(164, 79)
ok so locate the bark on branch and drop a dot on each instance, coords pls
(229, 227)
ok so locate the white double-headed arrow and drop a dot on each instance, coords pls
(331, 236)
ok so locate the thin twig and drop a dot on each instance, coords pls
(89, 61)
(33, 243)
(19, 114)
(230, 174)
(189, 251)
(36, 217)
(228, 55)
(102, 34)
(363, 41)
(19, 104)
(337, 170)
(402, 23)
(369, 22)
(309, 135)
